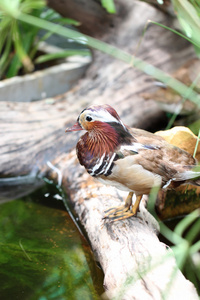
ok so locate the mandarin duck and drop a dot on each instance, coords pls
(130, 159)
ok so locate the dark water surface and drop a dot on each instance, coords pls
(42, 254)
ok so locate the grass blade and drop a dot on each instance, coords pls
(62, 54)
(115, 52)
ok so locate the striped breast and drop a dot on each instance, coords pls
(103, 165)
(95, 156)
(102, 162)
(100, 165)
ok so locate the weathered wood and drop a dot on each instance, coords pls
(33, 133)
(93, 18)
(135, 263)
(169, 100)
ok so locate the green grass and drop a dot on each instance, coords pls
(19, 41)
(131, 60)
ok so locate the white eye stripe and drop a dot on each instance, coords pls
(103, 116)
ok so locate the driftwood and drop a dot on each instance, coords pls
(135, 263)
(32, 134)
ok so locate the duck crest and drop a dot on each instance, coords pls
(96, 149)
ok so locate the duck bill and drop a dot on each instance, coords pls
(76, 127)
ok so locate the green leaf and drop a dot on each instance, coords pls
(62, 54)
(133, 61)
(176, 32)
(109, 6)
(13, 67)
(117, 53)
(186, 222)
(6, 56)
(197, 144)
(20, 50)
(188, 18)
(195, 127)
(22, 36)
(67, 21)
(192, 234)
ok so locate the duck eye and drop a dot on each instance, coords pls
(88, 118)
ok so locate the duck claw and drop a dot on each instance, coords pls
(119, 213)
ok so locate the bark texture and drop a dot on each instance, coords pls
(135, 263)
(93, 18)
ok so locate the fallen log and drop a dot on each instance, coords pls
(135, 263)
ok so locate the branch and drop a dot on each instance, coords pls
(135, 263)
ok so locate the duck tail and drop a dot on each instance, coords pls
(191, 177)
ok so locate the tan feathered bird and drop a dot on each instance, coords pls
(130, 159)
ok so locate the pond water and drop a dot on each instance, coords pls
(43, 255)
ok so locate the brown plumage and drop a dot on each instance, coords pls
(130, 159)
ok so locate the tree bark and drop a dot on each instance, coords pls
(135, 263)
(93, 18)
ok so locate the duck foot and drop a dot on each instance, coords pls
(123, 212)
(119, 213)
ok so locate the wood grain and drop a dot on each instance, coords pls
(135, 263)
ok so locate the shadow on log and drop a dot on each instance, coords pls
(32, 134)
